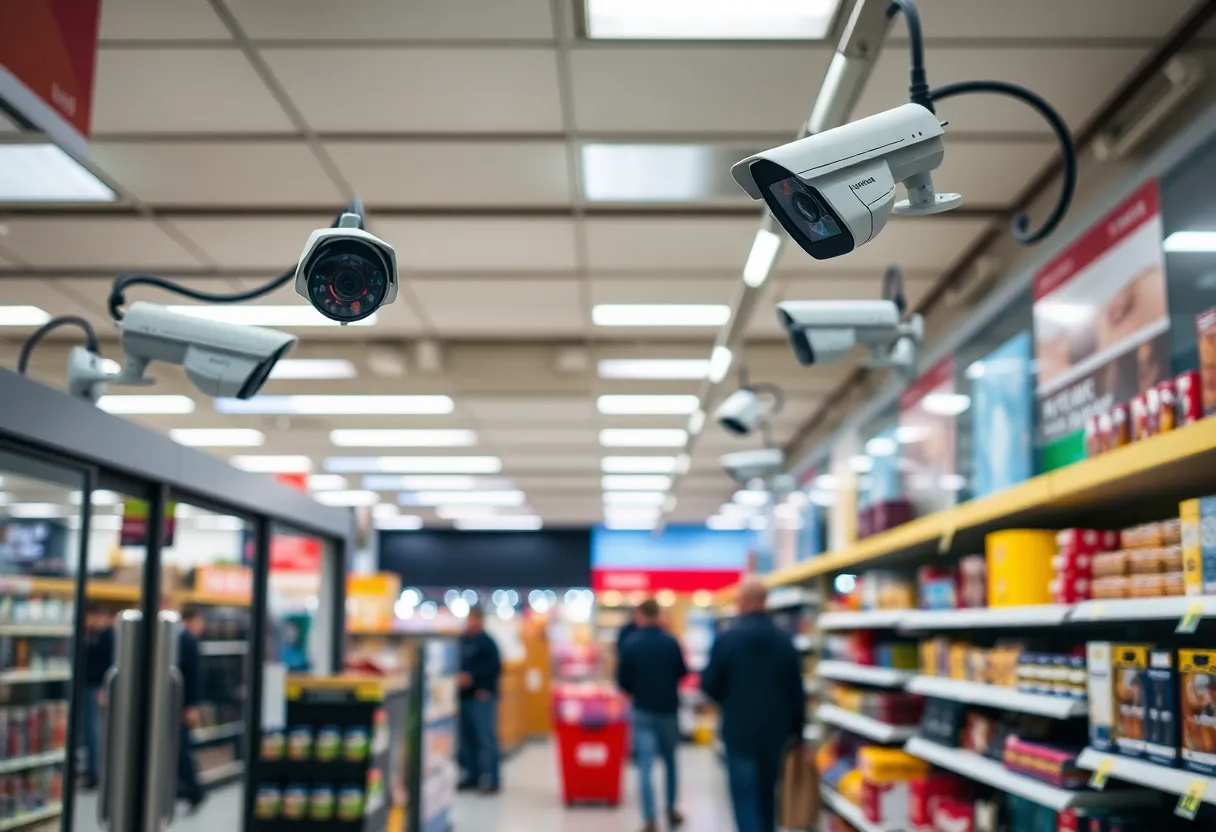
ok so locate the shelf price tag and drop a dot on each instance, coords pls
(946, 543)
(1101, 774)
(1190, 621)
(1191, 800)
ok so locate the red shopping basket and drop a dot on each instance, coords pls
(592, 759)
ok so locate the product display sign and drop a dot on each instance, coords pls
(135, 523)
(1101, 323)
(33, 547)
(927, 437)
(1002, 398)
(681, 558)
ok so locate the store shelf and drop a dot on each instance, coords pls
(47, 758)
(994, 696)
(812, 733)
(1141, 773)
(883, 677)
(851, 812)
(37, 816)
(30, 677)
(217, 732)
(983, 770)
(874, 620)
(804, 643)
(223, 648)
(221, 772)
(1143, 609)
(1042, 615)
(36, 630)
(783, 598)
(864, 726)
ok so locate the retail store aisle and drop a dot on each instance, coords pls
(531, 798)
(221, 811)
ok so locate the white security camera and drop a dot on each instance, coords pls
(86, 375)
(219, 359)
(740, 413)
(834, 191)
(745, 466)
(824, 331)
(345, 272)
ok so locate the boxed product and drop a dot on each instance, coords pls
(1020, 567)
(1197, 679)
(950, 814)
(937, 587)
(886, 777)
(1130, 662)
(1198, 533)
(922, 791)
(1049, 763)
(1101, 692)
(942, 721)
(973, 582)
(1161, 708)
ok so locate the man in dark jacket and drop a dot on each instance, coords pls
(754, 674)
(649, 671)
(98, 657)
(480, 667)
(189, 664)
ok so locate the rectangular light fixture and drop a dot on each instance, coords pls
(501, 523)
(273, 463)
(400, 523)
(462, 498)
(44, 173)
(347, 498)
(327, 482)
(719, 363)
(22, 315)
(660, 314)
(218, 437)
(634, 498)
(1191, 242)
(38, 510)
(677, 405)
(643, 437)
(649, 172)
(295, 315)
(318, 369)
(146, 405)
(466, 512)
(696, 421)
(721, 20)
(337, 405)
(635, 482)
(100, 498)
(403, 438)
(434, 482)
(413, 464)
(761, 258)
(663, 369)
(638, 464)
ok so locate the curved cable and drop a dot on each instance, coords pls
(918, 90)
(893, 288)
(118, 297)
(27, 349)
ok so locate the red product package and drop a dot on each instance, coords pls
(923, 790)
(1057, 766)
(1066, 590)
(1167, 404)
(1190, 397)
(1068, 821)
(1108, 541)
(1093, 436)
(1139, 414)
(1072, 542)
(952, 815)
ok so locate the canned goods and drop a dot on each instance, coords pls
(1121, 426)
(1190, 397)
(1167, 396)
(1138, 408)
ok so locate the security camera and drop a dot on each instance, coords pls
(345, 272)
(833, 191)
(86, 375)
(219, 359)
(740, 413)
(744, 466)
(824, 331)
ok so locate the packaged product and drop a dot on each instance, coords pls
(321, 803)
(1121, 426)
(1020, 567)
(1171, 531)
(1049, 763)
(1141, 426)
(328, 743)
(350, 803)
(1197, 679)
(1190, 397)
(1175, 584)
(1130, 662)
(1167, 404)
(1109, 564)
(938, 588)
(1161, 708)
(953, 814)
(269, 802)
(1146, 586)
(1101, 693)
(299, 743)
(923, 790)
(886, 776)
(1093, 437)
(1117, 586)
(273, 743)
(295, 802)
(1145, 561)
(1198, 532)
(1146, 536)
(973, 582)
(1106, 432)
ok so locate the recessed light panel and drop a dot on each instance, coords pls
(638, 464)
(413, 464)
(643, 437)
(313, 369)
(455, 498)
(23, 315)
(137, 405)
(337, 405)
(273, 463)
(664, 369)
(402, 438)
(660, 314)
(218, 437)
(44, 173)
(501, 523)
(717, 20)
(636, 482)
(347, 498)
(615, 405)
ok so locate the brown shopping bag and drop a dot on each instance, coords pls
(799, 807)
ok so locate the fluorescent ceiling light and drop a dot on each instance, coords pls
(861, 463)
(910, 434)
(669, 505)
(44, 173)
(751, 497)
(465, 498)
(383, 510)
(638, 464)
(100, 498)
(634, 498)
(146, 405)
(218, 523)
(1190, 242)
(759, 265)
(296, 315)
(402, 438)
(37, 510)
(719, 363)
(273, 463)
(356, 405)
(327, 482)
(400, 523)
(313, 368)
(413, 464)
(827, 481)
(719, 523)
(613, 405)
(22, 315)
(643, 437)
(636, 482)
(665, 369)
(465, 512)
(347, 498)
(218, 437)
(881, 446)
(501, 523)
(435, 482)
(660, 314)
(946, 404)
(649, 172)
(696, 421)
(700, 20)
(683, 463)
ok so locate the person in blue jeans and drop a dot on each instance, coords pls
(755, 676)
(98, 656)
(480, 669)
(649, 671)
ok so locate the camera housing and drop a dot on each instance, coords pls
(740, 413)
(345, 272)
(825, 331)
(745, 466)
(219, 359)
(835, 190)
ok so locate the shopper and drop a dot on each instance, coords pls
(98, 657)
(627, 632)
(649, 671)
(755, 676)
(480, 668)
(189, 665)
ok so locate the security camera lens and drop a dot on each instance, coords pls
(348, 286)
(807, 206)
(347, 279)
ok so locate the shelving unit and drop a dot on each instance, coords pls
(212, 733)
(874, 620)
(47, 758)
(223, 648)
(993, 696)
(850, 811)
(864, 726)
(1043, 615)
(32, 677)
(1141, 773)
(1143, 609)
(54, 810)
(883, 677)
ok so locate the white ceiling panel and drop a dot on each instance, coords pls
(160, 20)
(969, 169)
(422, 90)
(1049, 19)
(95, 242)
(323, 20)
(667, 88)
(657, 290)
(218, 173)
(479, 244)
(251, 242)
(666, 243)
(926, 243)
(182, 90)
(47, 294)
(474, 174)
(503, 307)
(530, 409)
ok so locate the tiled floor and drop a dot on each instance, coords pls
(531, 798)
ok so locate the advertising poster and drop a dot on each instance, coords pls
(135, 523)
(927, 439)
(681, 558)
(1002, 402)
(1101, 323)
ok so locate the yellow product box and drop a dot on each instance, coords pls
(1198, 554)
(1019, 567)
(958, 661)
(1197, 678)
(1129, 663)
(850, 787)
(889, 765)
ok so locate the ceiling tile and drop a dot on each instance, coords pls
(530, 409)
(182, 90)
(49, 294)
(251, 242)
(422, 90)
(921, 243)
(548, 436)
(479, 244)
(1045, 19)
(969, 169)
(323, 20)
(95, 243)
(662, 243)
(503, 307)
(160, 20)
(658, 290)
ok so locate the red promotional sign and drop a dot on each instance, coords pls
(289, 553)
(297, 481)
(48, 54)
(676, 580)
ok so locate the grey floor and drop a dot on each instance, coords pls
(220, 813)
(530, 800)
